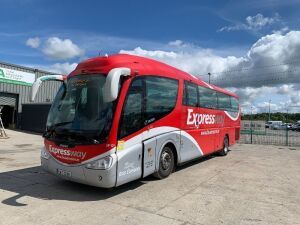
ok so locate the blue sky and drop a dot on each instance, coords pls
(31, 30)
(150, 24)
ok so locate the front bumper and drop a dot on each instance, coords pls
(80, 174)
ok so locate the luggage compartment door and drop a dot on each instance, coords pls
(129, 163)
(149, 155)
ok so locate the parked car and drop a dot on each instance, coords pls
(279, 126)
(296, 127)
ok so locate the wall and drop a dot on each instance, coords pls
(47, 90)
(45, 94)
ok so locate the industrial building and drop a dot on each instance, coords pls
(15, 88)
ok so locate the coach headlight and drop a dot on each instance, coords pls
(100, 164)
(44, 153)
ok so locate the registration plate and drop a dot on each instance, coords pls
(63, 173)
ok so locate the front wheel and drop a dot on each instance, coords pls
(166, 163)
(224, 151)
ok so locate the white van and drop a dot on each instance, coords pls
(272, 124)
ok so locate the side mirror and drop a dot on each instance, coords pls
(111, 86)
(36, 85)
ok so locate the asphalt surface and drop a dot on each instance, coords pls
(253, 184)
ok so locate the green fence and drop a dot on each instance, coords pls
(283, 134)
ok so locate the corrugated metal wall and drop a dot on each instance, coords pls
(45, 94)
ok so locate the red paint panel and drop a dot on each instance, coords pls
(77, 154)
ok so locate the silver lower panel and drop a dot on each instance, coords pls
(80, 174)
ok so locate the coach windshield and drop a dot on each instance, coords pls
(79, 112)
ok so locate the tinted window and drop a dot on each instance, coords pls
(148, 99)
(207, 98)
(160, 97)
(234, 104)
(224, 101)
(132, 114)
(190, 94)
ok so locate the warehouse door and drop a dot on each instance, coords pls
(9, 103)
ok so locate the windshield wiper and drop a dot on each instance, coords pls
(49, 130)
(61, 124)
(74, 134)
(84, 135)
(52, 127)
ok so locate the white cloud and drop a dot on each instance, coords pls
(163, 55)
(178, 43)
(197, 62)
(259, 21)
(282, 97)
(270, 61)
(256, 22)
(281, 30)
(285, 89)
(59, 49)
(33, 42)
(270, 69)
(295, 99)
(61, 68)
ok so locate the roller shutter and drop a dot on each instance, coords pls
(8, 99)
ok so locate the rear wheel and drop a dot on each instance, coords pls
(224, 151)
(166, 163)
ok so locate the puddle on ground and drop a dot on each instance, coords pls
(23, 145)
(6, 159)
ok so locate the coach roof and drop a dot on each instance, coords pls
(139, 66)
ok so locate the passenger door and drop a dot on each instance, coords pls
(130, 152)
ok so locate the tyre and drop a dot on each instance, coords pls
(224, 151)
(166, 163)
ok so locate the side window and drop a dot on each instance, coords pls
(148, 99)
(224, 101)
(207, 98)
(132, 114)
(160, 97)
(190, 95)
(234, 104)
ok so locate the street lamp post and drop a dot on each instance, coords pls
(286, 128)
(270, 110)
(251, 124)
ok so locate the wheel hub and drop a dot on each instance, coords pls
(226, 146)
(165, 160)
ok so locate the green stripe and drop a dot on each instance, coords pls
(14, 82)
